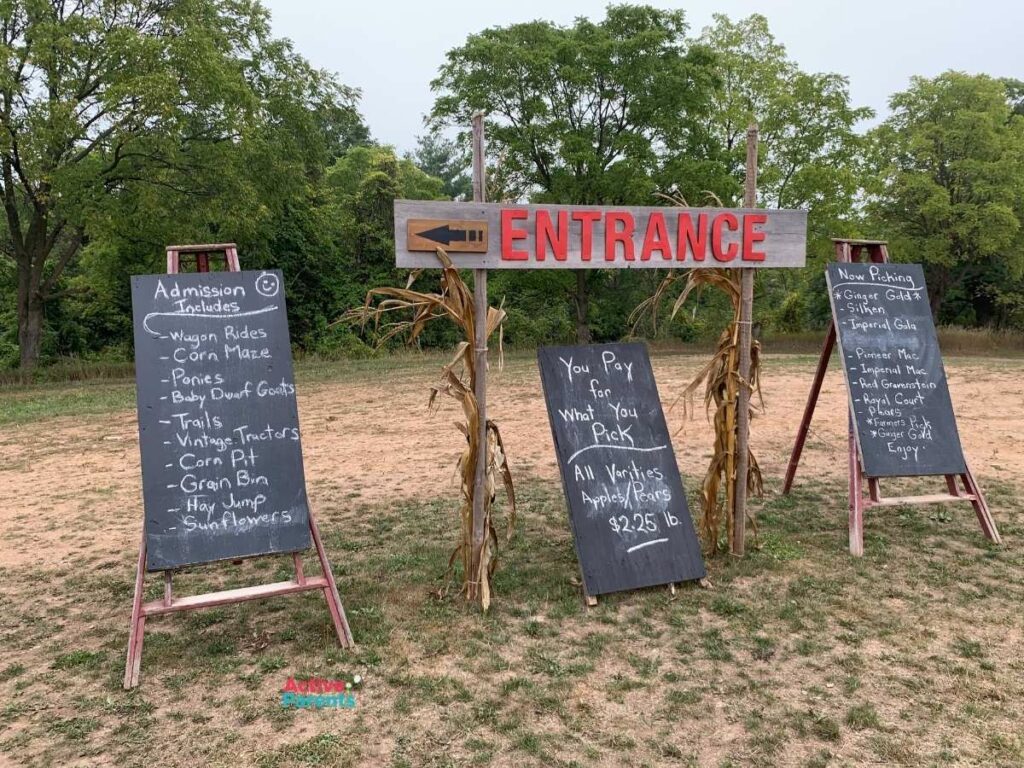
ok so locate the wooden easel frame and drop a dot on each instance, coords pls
(849, 251)
(169, 604)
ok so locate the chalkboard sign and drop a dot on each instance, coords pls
(627, 506)
(218, 424)
(903, 416)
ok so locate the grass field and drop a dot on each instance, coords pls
(798, 654)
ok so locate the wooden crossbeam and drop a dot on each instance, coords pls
(201, 247)
(239, 595)
(932, 498)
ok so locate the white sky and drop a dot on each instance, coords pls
(391, 49)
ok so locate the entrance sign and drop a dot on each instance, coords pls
(218, 422)
(627, 506)
(597, 237)
(903, 415)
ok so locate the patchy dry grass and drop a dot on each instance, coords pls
(102, 394)
(799, 655)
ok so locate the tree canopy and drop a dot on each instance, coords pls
(130, 126)
(810, 152)
(949, 193)
(619, 110)
(590, 113)
(112, 110)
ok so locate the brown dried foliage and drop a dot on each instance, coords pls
(721, 381)
(458, 380)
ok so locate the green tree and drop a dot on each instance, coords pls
(951, 169)
(810, 154)
(363, 185)
(586, 114)
(1015, 94)
(112, 113)
(442, 158)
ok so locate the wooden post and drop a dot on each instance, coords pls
(739, 510)
(480, 367)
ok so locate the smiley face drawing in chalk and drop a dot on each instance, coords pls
(267, 284)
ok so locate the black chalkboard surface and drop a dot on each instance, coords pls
(627, 506)
(218, 424)
(903, 416)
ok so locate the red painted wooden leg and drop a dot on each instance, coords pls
(856, 500)
(135, 652)
(874, 492)
(952, 487)
(985, 519)
(341, 628)
(130, 674)
(338, 619)
(133, 662)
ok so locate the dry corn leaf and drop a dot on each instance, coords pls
(458, 381)
(721, 381)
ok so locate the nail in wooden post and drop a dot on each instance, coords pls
(739, 511)
(480, 366)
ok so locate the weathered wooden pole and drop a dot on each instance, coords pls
(739, 510)
(480, 368)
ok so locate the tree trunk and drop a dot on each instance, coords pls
(581, 300)
(30, 334)
(30, 314)
(938, 283)
(32, 250)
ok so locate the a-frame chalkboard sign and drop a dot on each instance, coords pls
(218, 432)
(901, 420)
(627, 506)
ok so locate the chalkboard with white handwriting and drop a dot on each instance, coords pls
(903, 415)
(627, 507)
(222, 467)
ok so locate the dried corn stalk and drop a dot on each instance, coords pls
(458, 379)
(721, 380)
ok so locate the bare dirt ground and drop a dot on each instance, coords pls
(378, 440)
(799, 656)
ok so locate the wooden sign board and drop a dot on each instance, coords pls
(627, 506)
(597, 237)
(218, 423)
(903, 415)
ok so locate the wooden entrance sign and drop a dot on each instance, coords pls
(627, 506)
(597, 237)
(219, 437)
(901, 420)
(482, 236)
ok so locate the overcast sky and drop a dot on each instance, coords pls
(391, 49)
